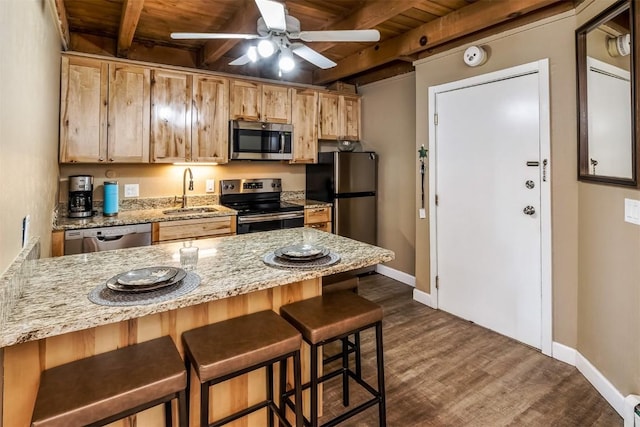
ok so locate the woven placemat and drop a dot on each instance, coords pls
(104, 296)
(274, 261)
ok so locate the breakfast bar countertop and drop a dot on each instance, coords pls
(55, 302)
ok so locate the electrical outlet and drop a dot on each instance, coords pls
(211, 186)
(131, 190)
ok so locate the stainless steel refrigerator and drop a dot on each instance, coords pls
(349, 181)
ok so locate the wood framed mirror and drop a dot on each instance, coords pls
(606, 51)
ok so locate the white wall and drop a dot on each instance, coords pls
(29, 105)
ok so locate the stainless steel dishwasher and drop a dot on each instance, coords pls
(106, 238)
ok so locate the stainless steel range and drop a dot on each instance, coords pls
(258, 204)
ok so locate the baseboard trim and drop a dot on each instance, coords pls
(564, 353)
(398, 275)
(422, 297)
(601, 383)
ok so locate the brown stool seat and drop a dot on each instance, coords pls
(331, 315)
(236, 344)
(224, 350)
(95, 388)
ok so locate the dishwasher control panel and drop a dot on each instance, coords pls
(106, 238)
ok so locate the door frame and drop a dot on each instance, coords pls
(541, 68)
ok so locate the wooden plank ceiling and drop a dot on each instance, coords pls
(409, 30)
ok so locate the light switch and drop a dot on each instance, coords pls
(632, 211)
(131, 190)
(211, 186)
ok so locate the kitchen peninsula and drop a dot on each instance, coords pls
(54, 322)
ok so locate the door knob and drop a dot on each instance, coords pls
(529, 210)
(530, 184)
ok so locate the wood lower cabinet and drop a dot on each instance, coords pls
(305, 132)
(318, 218)
(190, 229)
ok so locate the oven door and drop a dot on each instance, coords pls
(255, 223)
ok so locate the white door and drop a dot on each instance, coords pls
(488, 179)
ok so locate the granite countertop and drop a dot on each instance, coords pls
(136, 217)
(140, 216)
(310, 204)
(55, 292)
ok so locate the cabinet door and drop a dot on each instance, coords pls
(245, 100)
(83, 110)
(305, 133)
(276, 104)
(170, 117)
(328, 121)
(350, 117)
(129, 115)
(210, 120)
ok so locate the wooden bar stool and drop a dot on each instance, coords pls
(331, 317)
(101, 389)
(233, 347)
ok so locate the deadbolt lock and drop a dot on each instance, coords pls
(529, 210)
(530, 184)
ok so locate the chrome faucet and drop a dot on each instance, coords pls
(184, 186)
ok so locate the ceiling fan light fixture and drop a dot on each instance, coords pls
(286, 62)
(252, 53)
(266, 48)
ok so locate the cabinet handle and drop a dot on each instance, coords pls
(316, 225)
(101, 159)
(111, 160)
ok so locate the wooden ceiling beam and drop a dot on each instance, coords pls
(460, 23)
(62, 24)
(131, 11)
(368, 16)
(243, 21)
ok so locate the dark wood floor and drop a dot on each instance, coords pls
(444, 371)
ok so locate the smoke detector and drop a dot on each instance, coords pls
(474, 56)
(619, 46)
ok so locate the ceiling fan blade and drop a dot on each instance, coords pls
(244, 59)
(273, 14)
(340, 36)
(186, 36)
(308, 54)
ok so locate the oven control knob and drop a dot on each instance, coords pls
(231, 186)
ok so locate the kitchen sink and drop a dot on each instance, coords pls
(194, 210)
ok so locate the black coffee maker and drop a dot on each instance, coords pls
(80, 196)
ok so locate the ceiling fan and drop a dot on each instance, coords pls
(278, 31)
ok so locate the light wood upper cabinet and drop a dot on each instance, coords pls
(210, 120)
(258, 102)
(83, 110)
(129, 116)
(305, 132)
(349, 114)
(276, 104)
(245, 100)
(104, 112)
(170, 116)
(328, 126)
(338, 117)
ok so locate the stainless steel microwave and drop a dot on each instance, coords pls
(260, 141)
